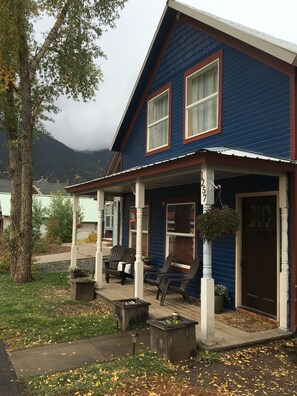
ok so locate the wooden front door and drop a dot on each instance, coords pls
(259, 252)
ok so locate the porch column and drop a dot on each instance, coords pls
(138, 266)
(207, 282)
(99, 255)
(284, 270)
(73, 243)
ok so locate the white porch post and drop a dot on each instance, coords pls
(284, 272)
(138, 266)
(99, 255)
(207, 282)
(74, 220)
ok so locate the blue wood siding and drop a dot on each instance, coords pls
(255, 101)
(223, 250)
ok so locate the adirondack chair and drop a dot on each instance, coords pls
(124, 267)
(177, 283)
(154, 276)
(112, 262)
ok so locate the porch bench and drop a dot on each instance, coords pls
(119, 268)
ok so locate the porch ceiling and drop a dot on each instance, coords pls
(186, 170)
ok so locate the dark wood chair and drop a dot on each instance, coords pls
(119, 268)
(177, 283)
(154, 276)
(111, 263)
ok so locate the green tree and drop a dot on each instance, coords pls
(38, 214)
(59, 222)
(33, 74)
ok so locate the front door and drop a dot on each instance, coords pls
(259, 252)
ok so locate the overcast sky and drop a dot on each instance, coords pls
(92, 126)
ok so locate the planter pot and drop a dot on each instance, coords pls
(219, 304)
(173, 341)
(82, 289)
(131, 312)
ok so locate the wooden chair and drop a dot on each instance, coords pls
(119, 268)
(177, 283)
(112, 262)
(154, 276)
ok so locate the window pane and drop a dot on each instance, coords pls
(180, 218)
(144, 242)
(158, 135)
(182, 249)
(158, 108)
(202, 85)
(158, 124)
(202, 117)
(202, 101)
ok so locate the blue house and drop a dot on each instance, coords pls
(211, 121)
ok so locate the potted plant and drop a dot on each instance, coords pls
(130, 312)
(82, 285)
(217, 223)
(173, 337)
(221, 295)
(148, 260)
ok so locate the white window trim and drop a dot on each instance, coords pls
(203, 100)
(148, 149)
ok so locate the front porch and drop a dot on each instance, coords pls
(226, 335)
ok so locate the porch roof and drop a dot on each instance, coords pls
(185, 170)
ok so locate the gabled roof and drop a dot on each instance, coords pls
(280, 49)
(40, 187)
(45, 187)
(4, 186)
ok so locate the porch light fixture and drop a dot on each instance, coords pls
(134, 339)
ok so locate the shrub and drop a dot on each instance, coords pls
(38, 213)
(4, 251)
(92, 238)
(41, 245)
(59, 222)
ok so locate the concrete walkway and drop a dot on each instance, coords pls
(84, 250)
(8, 384)
(70, 355)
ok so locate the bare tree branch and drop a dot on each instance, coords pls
(49, 39)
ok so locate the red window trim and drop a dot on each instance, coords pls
(166, 87)
(217, 56)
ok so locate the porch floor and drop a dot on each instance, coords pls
(226, 336)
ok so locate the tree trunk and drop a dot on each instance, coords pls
(11, 127)
(15, 212)
(22, 271)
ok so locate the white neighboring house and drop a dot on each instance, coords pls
(87, 205)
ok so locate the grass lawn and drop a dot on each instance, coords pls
(41, 312)
(144, 374)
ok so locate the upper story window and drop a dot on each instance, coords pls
(202, 99)
(158, 121)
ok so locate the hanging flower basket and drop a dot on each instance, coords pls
(217, 223)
